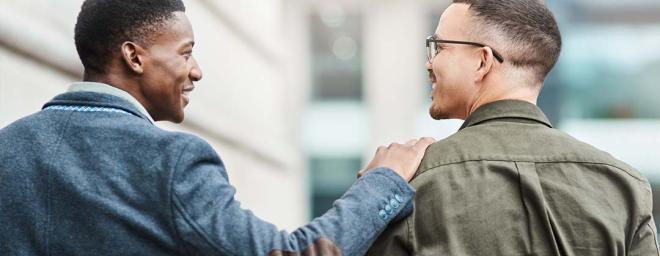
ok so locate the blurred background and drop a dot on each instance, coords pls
(297, 94)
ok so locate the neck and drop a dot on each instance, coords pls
(120, 82)
(109, 79)
(527, 93)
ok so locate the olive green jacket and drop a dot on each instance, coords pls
(507, 183)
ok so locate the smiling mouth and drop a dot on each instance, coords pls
(433, 80)
(185, 94)
(186, 91)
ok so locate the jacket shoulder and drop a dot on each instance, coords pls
(517, 143)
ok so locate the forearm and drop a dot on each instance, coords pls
(209, 220)
(216, 223)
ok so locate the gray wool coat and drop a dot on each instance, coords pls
(90, 175)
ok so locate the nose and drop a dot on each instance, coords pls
(195, 72)
(428, 64)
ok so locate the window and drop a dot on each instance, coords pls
(330, 178)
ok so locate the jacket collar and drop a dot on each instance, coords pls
(95, 99)
(507, 109)
(88, 86)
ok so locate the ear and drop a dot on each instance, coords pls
(486, 61)
(132, 55)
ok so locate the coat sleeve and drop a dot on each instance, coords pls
(645, 240)
(210, 221)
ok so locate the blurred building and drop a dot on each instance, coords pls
(368, 86)
(604, 89)
(297, 94)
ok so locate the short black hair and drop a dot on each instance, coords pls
(528, 25)
(103, 25)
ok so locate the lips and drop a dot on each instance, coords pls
(186, 92)
(433, 82)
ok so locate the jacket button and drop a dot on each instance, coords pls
(382, 214)
(388, 209)
(394, 204)
(398, 198)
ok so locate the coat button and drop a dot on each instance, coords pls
(394, 203)
(382, 214)
(398, 198)
(388, 209)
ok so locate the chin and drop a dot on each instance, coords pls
(178, 119)
(437, 114)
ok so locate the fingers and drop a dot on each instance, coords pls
(380, 153)
(394, 145)
(411, 142)
(402, 158)
(423, 143)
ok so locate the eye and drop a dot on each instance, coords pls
(187, 54)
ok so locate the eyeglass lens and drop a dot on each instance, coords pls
(431, 50)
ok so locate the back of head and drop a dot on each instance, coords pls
(525, 32)
(104, 24)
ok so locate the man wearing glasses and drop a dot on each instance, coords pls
(507, 183)
(91, 174)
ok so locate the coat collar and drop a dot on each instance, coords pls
(87, 86)
(96, 99)
(506, 109)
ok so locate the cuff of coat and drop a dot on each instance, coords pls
(397, 202)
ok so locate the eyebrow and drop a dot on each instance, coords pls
(191, 43)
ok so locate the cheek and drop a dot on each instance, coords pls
(456, 72)
(445, 73)
(171, 66)
(177, 70)
(170, 80)
(451, 80)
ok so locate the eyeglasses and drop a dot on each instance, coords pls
(432, 47)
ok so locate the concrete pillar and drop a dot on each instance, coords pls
(394, 33)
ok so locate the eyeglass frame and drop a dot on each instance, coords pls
(430, 39)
